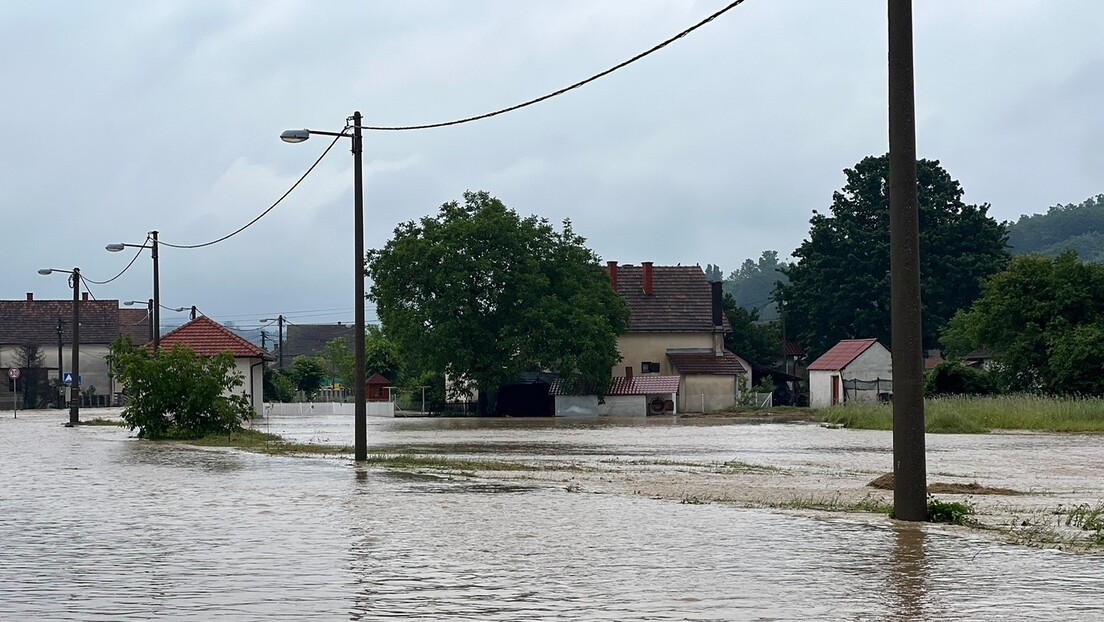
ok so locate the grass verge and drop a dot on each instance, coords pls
(974, 415)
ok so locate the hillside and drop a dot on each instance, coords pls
(1063, 227)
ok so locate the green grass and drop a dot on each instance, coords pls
(101, 421)
(974, 415)
(868, 503)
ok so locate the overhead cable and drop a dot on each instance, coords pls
(596, 76)
(264, 213)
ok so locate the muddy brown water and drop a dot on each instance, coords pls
(95, 525)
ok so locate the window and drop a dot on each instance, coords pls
(649, 368)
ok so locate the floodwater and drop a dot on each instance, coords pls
(95, 525)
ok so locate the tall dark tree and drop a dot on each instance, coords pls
(481, 294)
(839, 287)
(754, 340)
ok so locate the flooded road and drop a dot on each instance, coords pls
(98, 526)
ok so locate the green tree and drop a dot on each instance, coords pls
(957, 378)
(309, 374)
(1043, 321)
(177, 394)
(839, 287)
(481, 294)
(381, 355)
(339, 361)
(750, 338)
(753, 285)
(278, 385)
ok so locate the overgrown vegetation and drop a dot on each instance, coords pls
(178, 394)
(953, 512)
(869, 503)
(973, 415)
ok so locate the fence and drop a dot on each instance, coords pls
(879, 389)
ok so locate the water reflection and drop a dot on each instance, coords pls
(908, 573)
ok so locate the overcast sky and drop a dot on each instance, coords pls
(123, 117)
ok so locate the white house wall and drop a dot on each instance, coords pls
(820, 388)
(612, 406)
(93, 364)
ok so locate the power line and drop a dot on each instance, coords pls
(132, 260)
(264, 213)
(596, 76)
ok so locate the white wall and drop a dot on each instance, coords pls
(613, 406)
(876, 362)
(820, 388)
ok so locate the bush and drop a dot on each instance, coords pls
(957, 378)
(278, 385)
(178, 394)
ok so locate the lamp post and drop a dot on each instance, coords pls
(279, 319)
(360, 446)
(74, 394)
(149, 312)
(156, 316)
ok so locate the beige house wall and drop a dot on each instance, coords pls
(706, 393)
(637, 348)
(93, 364)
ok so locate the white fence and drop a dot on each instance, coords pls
(375, 409)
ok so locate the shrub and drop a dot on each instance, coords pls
(957, 378)
(178, 394)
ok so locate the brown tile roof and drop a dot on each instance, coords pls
(681, 300)
(841, 354)
(793, 348)
(308, 339)
(35, 321)
(207, 337)
(637, 385)
(136, 323)
(706, 363)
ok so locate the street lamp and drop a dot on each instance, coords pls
(360, 445)
(74, 394)
(149, 312)
(156, 317)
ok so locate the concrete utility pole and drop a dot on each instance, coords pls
(61, 378)
(74, 395)
(909, 462)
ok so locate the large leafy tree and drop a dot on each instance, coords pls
(839, 287)
(1043, 320)
(310, 374)
(480, 293)
(178, 394)
(754, 340)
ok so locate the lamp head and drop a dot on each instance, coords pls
(45, 271)
(295, 136)
(114, 248)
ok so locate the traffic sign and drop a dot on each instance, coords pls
(68, 378)
(13, 373)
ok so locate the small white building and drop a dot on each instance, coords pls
(853, 370)
(207, 337)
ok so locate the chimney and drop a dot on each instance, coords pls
(646, 278)
(718, 321)
(611, 269)
(628, 372)
(84, 296)
(30, 296)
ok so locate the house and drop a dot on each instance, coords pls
(207, 337)
(44, 329)
(852, 370)
(676, 331)
(311, 339)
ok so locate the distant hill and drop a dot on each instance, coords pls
(1063, 227)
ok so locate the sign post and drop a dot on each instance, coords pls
(13, 373)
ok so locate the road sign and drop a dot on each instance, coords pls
(68, 379)
(13, 373)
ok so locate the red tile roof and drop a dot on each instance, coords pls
(794, 348)
(706, 363)
(207, 337)
(681, 299)
(841, 354)
(135, 322)
(637, 385)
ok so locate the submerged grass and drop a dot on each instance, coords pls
(974, 415)
(101, 421)
(869, 503)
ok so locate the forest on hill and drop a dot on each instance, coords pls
(1063, 227)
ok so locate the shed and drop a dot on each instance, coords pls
(377, 388)
(852, 370)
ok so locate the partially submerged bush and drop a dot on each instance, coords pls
(178, 394)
